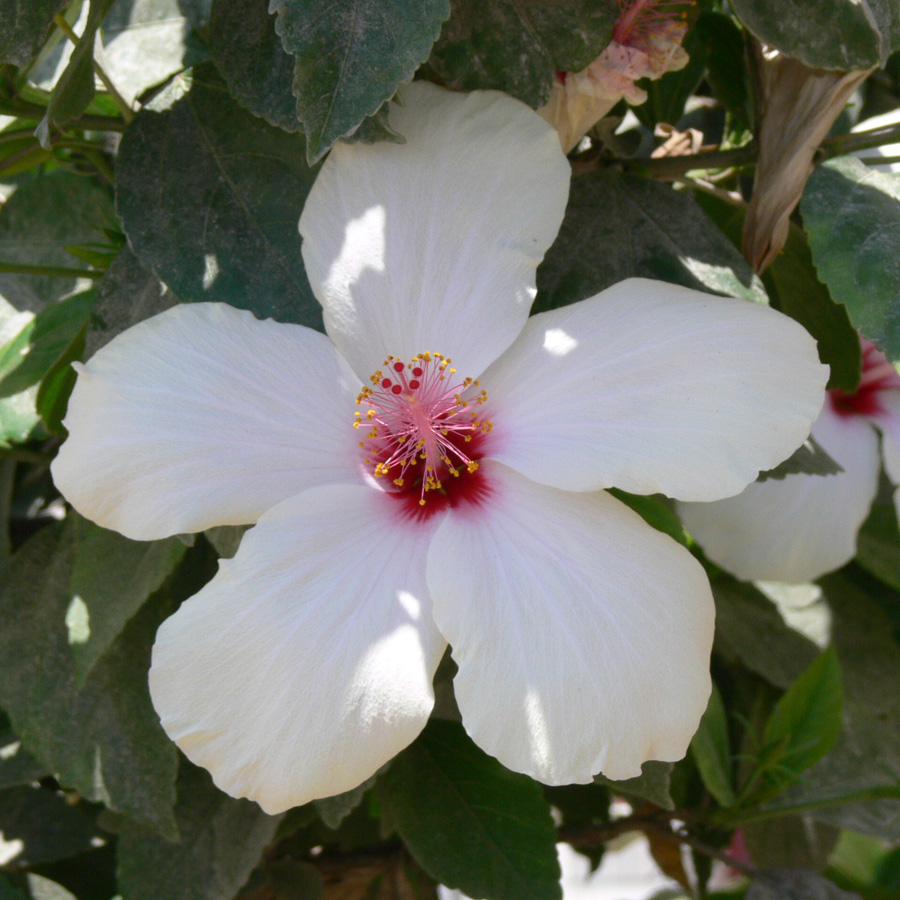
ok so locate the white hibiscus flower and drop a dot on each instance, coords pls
(800, 527)
(582, 635)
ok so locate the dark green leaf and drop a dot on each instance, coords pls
(23, 26)
(17, 765)
(37, 223)
(806, 721)
(222, 840)
(825, 34)
(517, 46)
(852, 216)
(26, 358)
(47, 826)
(711, 750)
(809, 458)
(226, 539)
(646, 229)
(656, 511)
(103, 739)
(878, 544)
(469, 822)
(75, 88)
(128, 294)
(210, 196)
(750, 628)
(340, 77)
(726, 69)
(257, 69)
(796, 290)
(795, 884)
(56, 387)
(112, 577)
(866, 759)
(652, 784)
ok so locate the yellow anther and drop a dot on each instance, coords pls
(472, 466)
(370, 414)
(356, 424)
(398, 482)
(422, 502)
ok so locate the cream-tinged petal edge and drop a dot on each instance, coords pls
(307, 662)
(202, 416)
(432, 245)
(582, 635)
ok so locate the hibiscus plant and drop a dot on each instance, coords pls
(443, 437)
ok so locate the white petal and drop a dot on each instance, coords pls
(205, 416)
(433, 244)
(307, 662)
(802, 526)
(582, 634)
(888, 420)
(651, 387)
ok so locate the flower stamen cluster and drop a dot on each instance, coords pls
(419, 412)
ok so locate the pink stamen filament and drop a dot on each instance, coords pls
(419, 413)
(638, 17)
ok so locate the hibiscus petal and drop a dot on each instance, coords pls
(651, 387)
(797, 528)
(582, 635)
(205, 416)
(307, 662)
(888, 420)
(433, 245)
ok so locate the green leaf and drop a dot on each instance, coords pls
(726, 70)
(126, 295)
(825, 34)
(257, 69)
(795, 884)
(790, 841)
(810, 458)
(26, 358)
(144, 42)
(796, 290)
(711, 750)
(878, 544)
(75, 88)
(333, 810)
(23, 26)
(42, 218)
(56, 387)
(469, 822)
(653, 784)
(647, 229)
(852, 216)
(210, 196)
(339, 77)
(750, 628)
(103, 739)
(655, 510)
(112, 577)
(17, 765)
(47, 826)
(806, 721)
(517, 46)
(865, 762)
(221, 842)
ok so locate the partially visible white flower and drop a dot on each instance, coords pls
(885, 150)
(646, 44)
(800, 527)
(398, 508)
